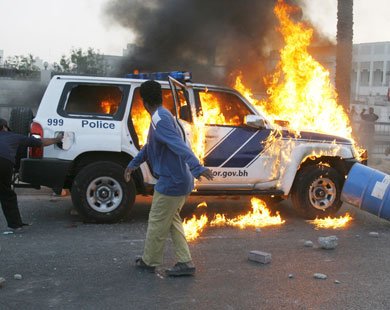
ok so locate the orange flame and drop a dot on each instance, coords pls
(260, 216)
(109, 106)
(300, 90)
(194, 226)
(331, 222)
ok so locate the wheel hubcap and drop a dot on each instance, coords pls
(322, 193)
(104, 194)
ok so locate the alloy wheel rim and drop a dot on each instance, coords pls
(322, 193)
(104, 194)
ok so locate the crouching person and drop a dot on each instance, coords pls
(176, 165)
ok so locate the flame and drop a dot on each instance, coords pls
(211, 113)
(109, 106)
(141, 121)
(260, 216)
(331, 222)
(194, 226)
(300, 90)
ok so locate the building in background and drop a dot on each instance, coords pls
(370, 78)
(1, 57)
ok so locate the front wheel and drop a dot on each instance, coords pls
(316, 191)
(101, 194)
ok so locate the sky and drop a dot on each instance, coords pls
(49, 29)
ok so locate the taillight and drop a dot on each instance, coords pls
(36, 130)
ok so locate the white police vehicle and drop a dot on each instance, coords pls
(101, 117)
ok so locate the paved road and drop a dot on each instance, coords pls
(66, 264)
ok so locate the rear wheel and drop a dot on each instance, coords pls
(316, 191)
(100, 193)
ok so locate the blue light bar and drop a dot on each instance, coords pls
(161, 76)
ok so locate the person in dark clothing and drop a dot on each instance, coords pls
(9, 143)
(368, 128)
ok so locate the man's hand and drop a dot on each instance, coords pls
(59, 138)
(207, 174)
(128, 172)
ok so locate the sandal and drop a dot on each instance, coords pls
(181, 269)
(139, 263)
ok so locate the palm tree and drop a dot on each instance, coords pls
(344, 51)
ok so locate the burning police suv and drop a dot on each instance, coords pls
(105, 125)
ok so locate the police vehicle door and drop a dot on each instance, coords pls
(234, 150)
(183, 111)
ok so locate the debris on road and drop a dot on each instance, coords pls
(260, 257)
(336, 281)
(291, 276)
(373, 234)
(308, 244)
(18, 276)
(320, 276)
(2, 281)
(329, 242)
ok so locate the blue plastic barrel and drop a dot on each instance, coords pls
(368, 189)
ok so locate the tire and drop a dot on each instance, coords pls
(20, 122)
(316, 191)
(101, 194)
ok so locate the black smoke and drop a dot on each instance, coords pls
(211, 38)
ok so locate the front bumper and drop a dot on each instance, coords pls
(47, 172)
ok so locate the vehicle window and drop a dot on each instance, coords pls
(222, 108)
(93, 99)
(184, 111)
(141, 118)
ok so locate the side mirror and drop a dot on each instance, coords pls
(254, 121)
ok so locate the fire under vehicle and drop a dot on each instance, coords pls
(105, 125)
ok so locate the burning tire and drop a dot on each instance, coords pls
(100, 193)
(316, 191)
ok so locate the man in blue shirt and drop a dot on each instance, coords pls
(176, 166)
(9, 143)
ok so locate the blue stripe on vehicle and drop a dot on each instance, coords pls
(227, 148)
(252, 149)
(219, 142)
(315, 137)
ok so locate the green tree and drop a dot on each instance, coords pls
(21, 63)
(80, 62)
(344, 51)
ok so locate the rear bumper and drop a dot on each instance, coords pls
(46, 172)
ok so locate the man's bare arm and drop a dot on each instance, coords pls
(50, 141)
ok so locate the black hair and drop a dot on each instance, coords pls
(151, 93)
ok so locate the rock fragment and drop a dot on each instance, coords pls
(308, 244)
(260, 257)
(320, 276)
(291, 276)
(2, 281)
(373, 234)
(18, 276)
(329, 242)
(336, 281)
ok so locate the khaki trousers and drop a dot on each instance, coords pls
(164, 218)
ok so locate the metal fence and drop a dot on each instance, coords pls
(380, 139)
